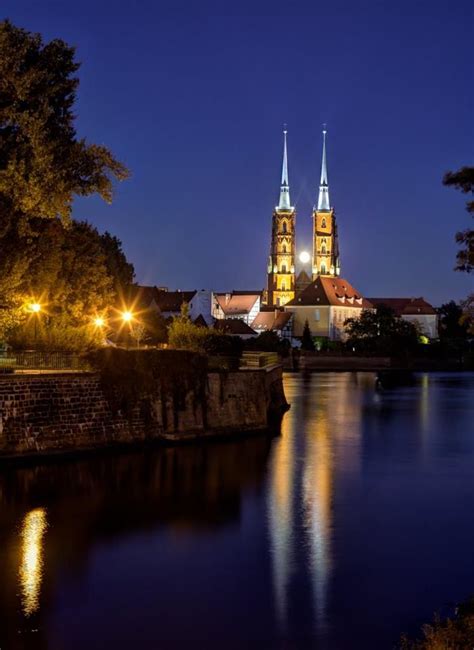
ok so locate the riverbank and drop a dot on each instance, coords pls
(68, 413)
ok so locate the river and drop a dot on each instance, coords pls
(346, 531)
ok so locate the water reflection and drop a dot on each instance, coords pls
(54, 515)
(324, 423)
(301, 541)
(31, 564)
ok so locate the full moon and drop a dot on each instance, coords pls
(304, 257)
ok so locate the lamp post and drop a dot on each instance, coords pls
(127, 317)
(35, 308)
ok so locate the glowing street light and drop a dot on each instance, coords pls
(304, 257)
(35, 307)
(99, 321)
(127, 316)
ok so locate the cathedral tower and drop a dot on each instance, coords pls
(281, 262)
(325, 241)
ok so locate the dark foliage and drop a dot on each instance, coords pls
(269, 342)
(463, 180)
(381, 333)
(307, 342)
(223, 345)
(452, 321)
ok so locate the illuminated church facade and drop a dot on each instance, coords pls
(282, 283)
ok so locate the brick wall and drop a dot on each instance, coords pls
(46, 413)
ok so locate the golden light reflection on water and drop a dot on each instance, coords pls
(321, 429)
(31, 566)
(281, 513)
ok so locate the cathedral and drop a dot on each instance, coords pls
(282, 283)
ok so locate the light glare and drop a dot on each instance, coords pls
(304, 257)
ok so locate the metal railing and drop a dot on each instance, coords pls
(38, 360)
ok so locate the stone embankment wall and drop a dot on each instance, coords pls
(68, 412)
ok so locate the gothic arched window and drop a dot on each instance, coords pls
(283, 227)
(323, 223)
(283, 268)
(283, 286)
(323, 268)
(323, 248)
(284, 248)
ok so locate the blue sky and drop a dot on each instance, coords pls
(192, 97)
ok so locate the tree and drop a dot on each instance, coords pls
(66, 271)
(452, 321)
(463, 180)
(184, 334)
(307, 342)
(381, 332)
(118, 267)
(43, 164)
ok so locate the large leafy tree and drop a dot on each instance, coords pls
(69, 275)
(43, 164)
(463, 180)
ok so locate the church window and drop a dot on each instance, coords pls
(283, 286)
(283, 227)
(283, 268)
(284, 248)
(323, 223)
(323, 268)
(323, 248)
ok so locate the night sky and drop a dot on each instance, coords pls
(192, 96)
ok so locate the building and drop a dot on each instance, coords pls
(169, 303)
(235, 327)
(325, 259)
(302, 281)
(274, 320)
(243, 305)
(281, 261)
(326, 304)
(414, 310)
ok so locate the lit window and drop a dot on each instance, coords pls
(317, 315)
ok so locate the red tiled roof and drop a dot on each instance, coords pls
(326, 290)
(405, 306)
(269, 320)
(233, 326)
(237, 302)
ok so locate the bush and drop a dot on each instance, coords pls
(222, 344)
(269, 342)
(454, 633)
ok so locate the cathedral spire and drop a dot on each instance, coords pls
(323, 198)
(284, 203)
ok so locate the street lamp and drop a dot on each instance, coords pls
(127, 316)
(35, 309)
(99, 321)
